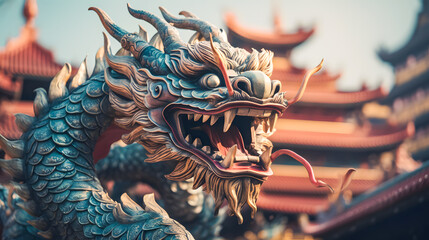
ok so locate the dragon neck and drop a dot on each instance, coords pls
(66, 196)
(59, 166)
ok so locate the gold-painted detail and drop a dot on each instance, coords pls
(418, 144)
(412, 70)
(412, 111)
(375, 110)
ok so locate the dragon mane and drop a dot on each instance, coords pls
(130, 78)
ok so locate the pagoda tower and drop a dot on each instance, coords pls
(327, 127)
(398, 208)
(409, 98)
(24, 66)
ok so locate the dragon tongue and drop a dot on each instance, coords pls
(225, 140)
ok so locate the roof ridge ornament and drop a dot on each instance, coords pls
(30, 11)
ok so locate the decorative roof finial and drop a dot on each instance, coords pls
(30, 11)
(277, 20)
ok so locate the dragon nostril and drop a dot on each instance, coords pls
(258, 84)
(276, 86)
(243, 84)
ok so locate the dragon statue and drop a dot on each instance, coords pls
(202, 110)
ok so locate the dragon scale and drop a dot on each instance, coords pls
(60, 174)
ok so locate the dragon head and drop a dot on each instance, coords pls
(205, 104)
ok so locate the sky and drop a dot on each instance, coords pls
(348, 35)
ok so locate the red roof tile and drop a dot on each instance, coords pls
(23, 55)
(339, 134)
(8, 86)
(380, 200)
(294, 179)
(292, 204)
(291, 76)
(27, 57)
(8, 127)
(290, 191)
(337, 98)
(266, 38)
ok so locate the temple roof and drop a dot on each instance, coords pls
(292, 203)
(9, 87)
(404, 89)
(290, 191)
(8, 127)
(330, 98)
(391, 198)
(25, 56)
(277, 41)
(297, 181)
(294, 75)
(23, 59)
(419, 40)
(339, 135)
(321, 89)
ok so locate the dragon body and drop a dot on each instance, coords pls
(193, 208)
(202, 109)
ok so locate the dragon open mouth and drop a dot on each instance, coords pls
(227, 139)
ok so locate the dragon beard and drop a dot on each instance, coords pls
(236, 191)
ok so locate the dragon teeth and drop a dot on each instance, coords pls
(230, 157)
(266, 158)
(188, 138)
(253, 158)
(206, 149)
(255, 112)
(229, 117)
(267, 113)
(197, 117)
(273, 120)
(217, 156)
(205, 118)
(243, 111)
(247, 158)
(197, 143)
(190, 116)
(213, 120)
(241, 158)
(265, 125)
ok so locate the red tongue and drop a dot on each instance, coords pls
(225, 140)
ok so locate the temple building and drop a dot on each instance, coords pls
(24, 66)
(409, 98)
(327, 127)
(396, 209)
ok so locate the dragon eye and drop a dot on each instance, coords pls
(210, 81)
(156, 91)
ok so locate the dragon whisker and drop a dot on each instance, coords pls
(221, 64)
(307, 77)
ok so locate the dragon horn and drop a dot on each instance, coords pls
(221, 64)
(169, 34)
(109, 25)
(301, 90)
(187, 14)
(193, 23)
(134, 43)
